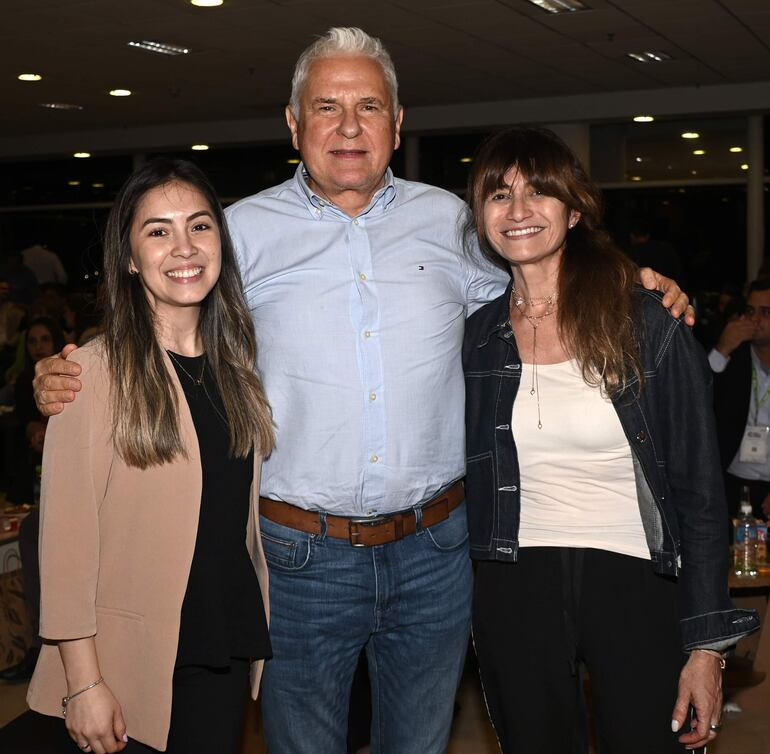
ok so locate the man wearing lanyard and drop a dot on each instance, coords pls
(741, 363)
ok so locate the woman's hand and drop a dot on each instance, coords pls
(700, 685)
(95, 722)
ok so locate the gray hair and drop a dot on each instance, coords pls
(342, 40)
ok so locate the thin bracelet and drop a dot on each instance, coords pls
(714, 653)
(67, 699)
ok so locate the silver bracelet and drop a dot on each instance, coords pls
(713, 653)
(67, 699)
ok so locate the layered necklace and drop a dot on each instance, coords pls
(522, 304)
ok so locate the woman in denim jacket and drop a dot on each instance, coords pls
(595, 502)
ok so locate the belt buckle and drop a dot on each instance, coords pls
(364, 521)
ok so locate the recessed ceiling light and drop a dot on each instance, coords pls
(736, 149)
(30, 77)
(82, 155)
(636, 177)
(73, 183)
(649, 56)
(699, 151)
(694, 172)
(643, 119)
(97, 185)
(206, 3)
(120, 92)
(560, 6)
(60, 106)
(466, 159)
(199, 147)
(691, 135)
(292, 161)
(163, 48)
(638, 159)
(745, 166)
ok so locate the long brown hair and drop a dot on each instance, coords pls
(596, 308)
(146, 415)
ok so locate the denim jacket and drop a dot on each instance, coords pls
(670, 428)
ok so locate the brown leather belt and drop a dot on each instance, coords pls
(365, 531)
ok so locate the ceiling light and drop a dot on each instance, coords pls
(206, 3)
(649, 56)
(60, 106)
(636, 177)
(199, 147)
(638, 159)
(73, 183)
(120, 92)
(466, 159)
(560, 6)
(643, 119)
(30, 77)
(691, 135)
(82, 155)
(736, 149)
(694, 172)
(163, 48)
(97, 185)
(699, 151)
(745, 166)
(292, 161)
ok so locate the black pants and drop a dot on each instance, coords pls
(206, 710)
(535, 619)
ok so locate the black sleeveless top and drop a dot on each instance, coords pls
(223, 615)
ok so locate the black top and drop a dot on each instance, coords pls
(223, 615)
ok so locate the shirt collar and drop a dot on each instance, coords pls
(381, 200)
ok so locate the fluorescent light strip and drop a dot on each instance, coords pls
(649, 56)
(163, 48)
(560, 6)
(60, 106)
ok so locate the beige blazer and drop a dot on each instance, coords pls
(116, 544)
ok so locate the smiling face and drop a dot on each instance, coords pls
(346, 129)
(175, 248)
(525, 226)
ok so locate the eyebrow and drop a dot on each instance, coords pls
(166, 221)
(334, 100)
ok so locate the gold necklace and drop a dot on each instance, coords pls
(521, 303)
(195, 381)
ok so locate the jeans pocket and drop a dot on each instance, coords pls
(285, 549)
(451, 533)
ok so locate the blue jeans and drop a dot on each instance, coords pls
(408, 603)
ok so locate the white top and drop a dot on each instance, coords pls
(577, 476)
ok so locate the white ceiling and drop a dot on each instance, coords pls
(446, 51)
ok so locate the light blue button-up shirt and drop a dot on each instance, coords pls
(359, 326)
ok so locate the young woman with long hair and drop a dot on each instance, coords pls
(595, 501)
(154, 590)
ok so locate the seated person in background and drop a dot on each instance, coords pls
(43, 338)
(650, 252)
(741, 363)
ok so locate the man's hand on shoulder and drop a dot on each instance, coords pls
(674, 298)
(56, 382)
(735, 333)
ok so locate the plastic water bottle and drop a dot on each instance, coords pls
(745, 539)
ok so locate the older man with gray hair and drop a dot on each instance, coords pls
(359, 289)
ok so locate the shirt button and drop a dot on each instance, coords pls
(367, 333)
(355, 222)
(362, 276)
(372, 396)
(374, 459)
(317, 211)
